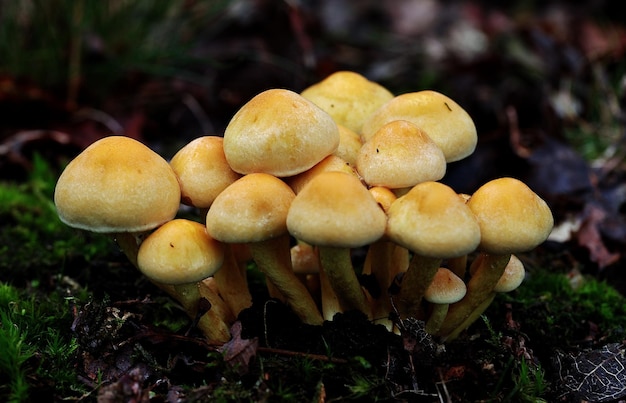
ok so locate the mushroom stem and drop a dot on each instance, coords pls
(475, 314)
(479, 289)
(436, 318)
(272, 256)
(419, 275)
(232, 283)
(337, 264)
(210, 323)
(378, 262)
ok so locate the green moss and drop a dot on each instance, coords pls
(32, 236)
(38, 351)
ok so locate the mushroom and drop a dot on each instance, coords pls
(280, 133)
(434, 224)
(177, 256)
(335, 212)
(512, 219)
(118, 186)
(400, 155)
(510, 280)
(445, 121)
(445, 289)
(253, 210)
(348, 97)
(202, 171)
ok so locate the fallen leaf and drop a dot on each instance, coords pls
(590, 238)
(238, 352)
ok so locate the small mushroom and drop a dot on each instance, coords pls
(177, 256)
(253, 210)
(445, 289)
(510, 280)
(400, 155)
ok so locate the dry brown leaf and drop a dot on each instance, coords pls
(590, 238)
(238, 352)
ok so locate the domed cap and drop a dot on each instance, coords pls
(348, 97)
(280, 133)
(335, 209)
(511, 216)
(180, 252)
(445, 121)
(445, 288)
(432, 220)
(117, 184)
(202, 170)
(251, 209)
(400, 155)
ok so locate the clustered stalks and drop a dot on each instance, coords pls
(296, 183)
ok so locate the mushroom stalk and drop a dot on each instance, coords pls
(337, 265)
(232, 283)
(479, 288)
(419, 275)
(273, 258)
(210, 323)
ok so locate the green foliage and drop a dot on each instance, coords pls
(33, 236)
(35, 345)
(55, 42)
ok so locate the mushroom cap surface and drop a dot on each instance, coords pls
(511, 216)
(432, 220)
(445, 288)
(117, 184)
(348, 97)
(335, 209)
(280, 133)
(180, 252)
(253, 208)
(202, 170)
(445, 121)
(400, 155)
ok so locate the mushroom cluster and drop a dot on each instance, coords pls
(297, 183)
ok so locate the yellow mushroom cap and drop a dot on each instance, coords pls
(445, 121)
(511, 216)
(432, 220)
(280, 133)
(251, 209)
(202, 170)
(117, 184)
(445, 288)
(335, 209)
(348, 97)
(180, 252)
(400, 155)
(512, 277)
